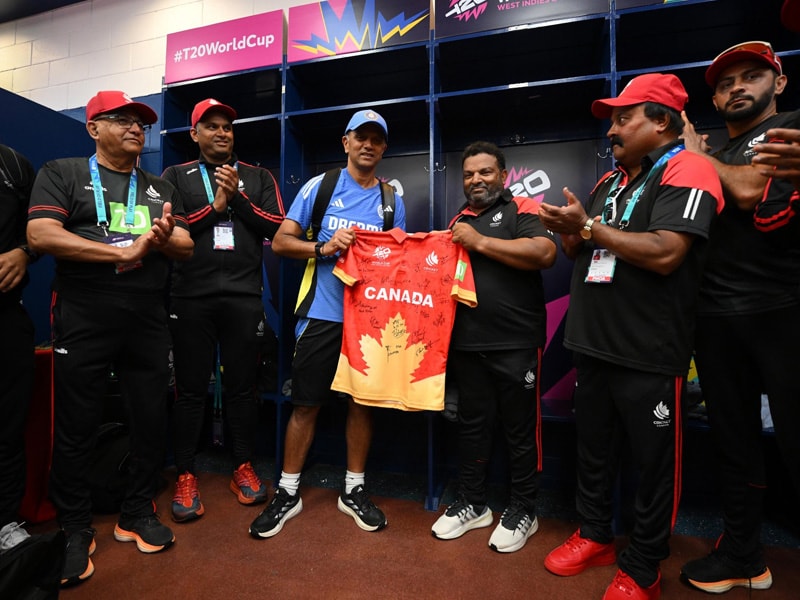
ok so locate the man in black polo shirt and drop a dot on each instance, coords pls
(638, 246)
(749, 311)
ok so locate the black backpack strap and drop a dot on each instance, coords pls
(322, 199)
(387, 199)
(325, 193)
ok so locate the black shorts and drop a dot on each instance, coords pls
(316, 356)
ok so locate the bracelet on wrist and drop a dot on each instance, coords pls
(318, 250)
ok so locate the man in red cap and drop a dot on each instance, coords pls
(638, 245)
(112, 229)
(215, 299)
(749, 309)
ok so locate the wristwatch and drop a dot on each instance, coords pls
(586, 232)
(318, 250)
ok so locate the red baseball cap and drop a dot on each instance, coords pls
(652, 87)
(111, 100)
(790, 15)
(757, 51)
(202, 107)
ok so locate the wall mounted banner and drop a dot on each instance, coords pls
(236, 45)
(457, 17)
(342, 26)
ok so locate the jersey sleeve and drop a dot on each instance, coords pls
(49, 197)
(346, 268)
(689, 196)
(463, 283)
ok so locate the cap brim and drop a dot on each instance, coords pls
(722, 63)
(147, 114)
(603, 108)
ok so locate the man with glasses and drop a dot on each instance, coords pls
(215, 299)
(749, 311)
(112, 229)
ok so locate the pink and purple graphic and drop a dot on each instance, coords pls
(343, 26)
(236, 45)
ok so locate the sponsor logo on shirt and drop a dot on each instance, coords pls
(497, 220)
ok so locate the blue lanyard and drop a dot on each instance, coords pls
(611, 200)
(99, 200)
(207, 181)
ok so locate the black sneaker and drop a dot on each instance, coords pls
(358, 505)
(718, 572)
(282, 508)
(78, 566)
(148, 532)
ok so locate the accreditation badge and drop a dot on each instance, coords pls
(122, 240)
(601, 267)
(223, 236)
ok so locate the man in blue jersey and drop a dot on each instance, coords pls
(356, 203)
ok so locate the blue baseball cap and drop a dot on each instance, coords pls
(367, 116)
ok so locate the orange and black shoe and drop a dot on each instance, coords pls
(247, 486)
(186, 505)
(148, 532)
(719, 572)
(78, 566)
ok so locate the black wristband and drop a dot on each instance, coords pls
(32, 256)
(318, 250)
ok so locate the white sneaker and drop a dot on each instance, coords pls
(513, 530)
(458, 519)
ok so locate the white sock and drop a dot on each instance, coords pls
(352, 480)
(290, 482)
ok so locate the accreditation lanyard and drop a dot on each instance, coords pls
(610, 206)
(223, 231)
(99, 199)
(207, 181)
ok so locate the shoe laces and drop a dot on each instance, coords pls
(360, 499)
(280, 501)
(185, 489)
(11, 535)
(245, 476)
(624, 583)
(515, 517)
(575, 541)
(460, 508)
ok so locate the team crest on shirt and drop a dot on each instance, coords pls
(759, 139)
(497, 219)
(662, 415)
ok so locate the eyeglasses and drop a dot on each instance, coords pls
(124, 121)
(758, 47)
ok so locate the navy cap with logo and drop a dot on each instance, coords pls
(363, 117)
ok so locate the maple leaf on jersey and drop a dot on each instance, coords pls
(391, 359)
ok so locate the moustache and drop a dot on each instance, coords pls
(739, 97)
(617, 141)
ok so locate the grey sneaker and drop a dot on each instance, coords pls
(513, 530)
(459, 518)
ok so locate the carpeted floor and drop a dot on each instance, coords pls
(322, 554)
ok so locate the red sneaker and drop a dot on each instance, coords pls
(186, 505)
(247, 486)
(623, 587)
(577, 554)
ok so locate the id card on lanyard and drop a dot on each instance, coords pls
(119, 240)
(223, 231)
(604, 262)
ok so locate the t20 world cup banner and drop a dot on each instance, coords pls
(236, 45)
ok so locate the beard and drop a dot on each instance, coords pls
(755, 108)
(483, 196)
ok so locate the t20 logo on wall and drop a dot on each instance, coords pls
(528, 183)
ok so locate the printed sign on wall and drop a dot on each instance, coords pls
(236, 45)
(457, 17)
(337, 27)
